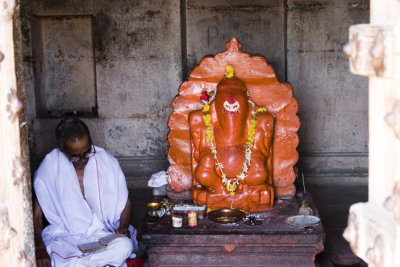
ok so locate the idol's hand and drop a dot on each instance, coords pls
(123, 231)
(239, 189)
(211, 189)
(42, 258)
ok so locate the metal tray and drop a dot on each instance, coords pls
(303, 220)
(226, 215)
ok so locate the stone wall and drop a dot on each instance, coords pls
(333, 103)
(144, 49)
(137, 52)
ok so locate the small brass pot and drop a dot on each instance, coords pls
(153, 207)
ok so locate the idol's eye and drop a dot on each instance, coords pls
(223, 110)
(237, 111)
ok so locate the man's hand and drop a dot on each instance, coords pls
(124, 220)
(123, 231)
(42, 258)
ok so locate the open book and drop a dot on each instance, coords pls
(97, 245)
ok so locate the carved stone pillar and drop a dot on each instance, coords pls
(373, 229)
(16, 244)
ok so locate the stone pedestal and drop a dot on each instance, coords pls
(271, 243)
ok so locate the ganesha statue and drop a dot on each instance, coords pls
(231, 149)
(233, 134)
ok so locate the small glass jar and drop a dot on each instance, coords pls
(200, 214)
(177, 221)
(192, 218)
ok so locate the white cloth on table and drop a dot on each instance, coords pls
(74, 218)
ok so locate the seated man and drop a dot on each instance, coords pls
(82, 192)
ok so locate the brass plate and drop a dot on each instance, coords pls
(303, 220)
(226, 215)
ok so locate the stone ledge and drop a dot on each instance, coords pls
(138, 170)
(334, 166)
(336, 179)
(318, 168)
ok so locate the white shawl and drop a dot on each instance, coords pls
(75, 219)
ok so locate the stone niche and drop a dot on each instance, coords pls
(65, 79)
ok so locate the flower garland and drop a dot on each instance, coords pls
(230, 183)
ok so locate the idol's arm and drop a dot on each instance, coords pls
(195, 126)
(269, 131)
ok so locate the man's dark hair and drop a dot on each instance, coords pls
(70, 129)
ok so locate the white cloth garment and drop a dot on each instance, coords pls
(76, 219)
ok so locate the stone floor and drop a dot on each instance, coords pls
(333, 202)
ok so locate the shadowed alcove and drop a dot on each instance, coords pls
(118, 64)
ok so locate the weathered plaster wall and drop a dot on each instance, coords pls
(333, 103)
(64, 64)
(143, 49)
(138, 70)
(258, 25)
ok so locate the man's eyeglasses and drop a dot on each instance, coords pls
(87, 154)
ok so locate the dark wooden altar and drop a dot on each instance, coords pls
(272, 243)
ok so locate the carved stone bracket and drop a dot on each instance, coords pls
(17, 171)
(6, 232)
(13, 105)
(23, 260)
(375, 254)
(1, 58)
(351, 232)
(393, 119)
(392, 203)
(368, 226)
(370, 50)
(8, 8)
